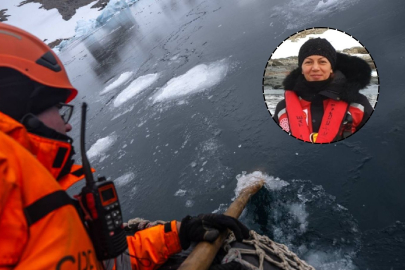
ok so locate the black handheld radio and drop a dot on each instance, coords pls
(102, 209)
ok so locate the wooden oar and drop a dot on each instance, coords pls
(203, 254)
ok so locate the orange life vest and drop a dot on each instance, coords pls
(57, 240)
(297, 121)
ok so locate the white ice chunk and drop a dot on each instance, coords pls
(137, 86)
(124, 179)
(119, 81)
(189, 203)
(101, 146)
(197, 79)
(180, 192)
(122, 113)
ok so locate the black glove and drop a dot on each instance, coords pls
(206, 227)
(228, 266)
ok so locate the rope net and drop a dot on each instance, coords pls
(270, 254)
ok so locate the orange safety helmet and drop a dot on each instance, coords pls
(26, 53)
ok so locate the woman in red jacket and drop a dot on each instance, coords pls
(322, 101)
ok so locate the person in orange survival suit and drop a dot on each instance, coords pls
(39, 226)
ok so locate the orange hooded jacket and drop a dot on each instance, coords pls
(57, 240)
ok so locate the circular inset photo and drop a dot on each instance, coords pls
(320, 85)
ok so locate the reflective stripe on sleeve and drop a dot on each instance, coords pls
(358, 106)
(283, 111)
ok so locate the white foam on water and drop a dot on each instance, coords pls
(197, 79)
(210, 146)
(298, 212)
(124, 179)
(290, 217)
(292, 221)
(180, 193)
(103, 157)
(101, 146)
(124, 112)
(189, 203)
(123, 78)
(221, 209)
(333, 260)
(137, 86)
(270, 183)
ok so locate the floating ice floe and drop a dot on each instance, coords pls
(124, 179)
(180, 192)
(123, 78)
(101, 146)
(197, 79)
(137, 86)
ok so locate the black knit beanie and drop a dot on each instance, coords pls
(20, 95)
(317, 46)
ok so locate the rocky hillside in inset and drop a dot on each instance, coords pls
(3, 15)
(305, 33)
(278, 69)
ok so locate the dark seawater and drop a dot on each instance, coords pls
(344, 205)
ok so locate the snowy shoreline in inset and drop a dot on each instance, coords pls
(339, 41)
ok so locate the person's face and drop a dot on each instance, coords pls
(316, 68)
(52, 119)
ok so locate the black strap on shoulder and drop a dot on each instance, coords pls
(46, 205)
(168, 227)
(78, 172)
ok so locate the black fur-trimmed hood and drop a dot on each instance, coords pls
(357, 75)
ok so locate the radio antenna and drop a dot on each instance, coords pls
(85, 162)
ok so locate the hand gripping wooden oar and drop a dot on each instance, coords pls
(203, 254)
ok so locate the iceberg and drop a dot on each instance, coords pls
(86, 27)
